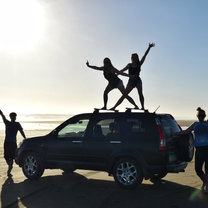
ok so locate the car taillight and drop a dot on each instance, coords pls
(180, 127)
(162, 143)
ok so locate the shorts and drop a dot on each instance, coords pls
(9, 150)
(118, 85)
(135, 82)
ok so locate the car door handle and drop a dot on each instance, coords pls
(77, 141)
(115, 142)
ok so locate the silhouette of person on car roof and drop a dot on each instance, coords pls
(110, 73)
(134, 80)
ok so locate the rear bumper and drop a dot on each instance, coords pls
(176, 168)
(169, 168)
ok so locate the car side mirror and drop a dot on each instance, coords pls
(55, 134)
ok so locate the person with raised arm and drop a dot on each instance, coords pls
(200, 130)
(111, 74)
(10, 142)
(134, 80)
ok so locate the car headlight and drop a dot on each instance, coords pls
(19, 145)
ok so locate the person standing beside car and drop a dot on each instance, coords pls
(10, 142)
(200, 129)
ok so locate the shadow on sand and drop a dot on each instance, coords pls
(76, 191)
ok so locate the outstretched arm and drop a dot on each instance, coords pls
(125, 68)
(120, 72)
(189, 130)
(23, 134)
(3, 117)
(147, 51)
(21, 130)
(94, 67)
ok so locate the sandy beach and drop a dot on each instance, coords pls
(92, 189)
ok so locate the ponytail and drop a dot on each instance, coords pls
(201, 111)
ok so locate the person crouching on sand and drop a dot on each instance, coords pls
(200, 129)
(10, 142)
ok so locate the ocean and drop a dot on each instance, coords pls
(51, 121)
(42, 124)
(39, 121)
(35, 124)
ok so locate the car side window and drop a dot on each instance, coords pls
(108, 128)
(135, 127)
(74, 130)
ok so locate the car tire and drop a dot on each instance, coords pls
(156, 178)
(127, 173)
(162, 174)
(186, 147)
(32, 165)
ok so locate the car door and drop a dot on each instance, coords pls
(103, 139)
(67, 142)
(141, 136)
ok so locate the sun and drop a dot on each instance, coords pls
(22, 24)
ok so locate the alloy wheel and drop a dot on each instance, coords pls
(30, 165)
(126, 173)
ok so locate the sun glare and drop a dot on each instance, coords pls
(21, 24)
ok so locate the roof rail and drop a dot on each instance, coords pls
(129, 110)
(97, 110)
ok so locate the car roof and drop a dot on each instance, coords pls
(122, 113)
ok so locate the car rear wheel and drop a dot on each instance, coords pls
(156, 178)
(127, 173)
(32, 166)
(161, 174)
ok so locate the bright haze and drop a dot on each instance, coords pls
(44, 45)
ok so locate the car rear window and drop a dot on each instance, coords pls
(169, 125)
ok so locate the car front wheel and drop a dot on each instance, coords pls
(32, 166)
(127, 173)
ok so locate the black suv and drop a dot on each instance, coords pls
(131, 146)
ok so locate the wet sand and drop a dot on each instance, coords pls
(92, 189)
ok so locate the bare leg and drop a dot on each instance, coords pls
(105, 96)
(199, 161)
(141, 97)
(125, 94)
(206, 175)
(10, 166)
(123, 91)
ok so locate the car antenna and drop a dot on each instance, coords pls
(157, 109)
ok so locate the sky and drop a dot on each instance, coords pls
(44, 45)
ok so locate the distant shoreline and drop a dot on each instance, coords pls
(180, 122)
(185, 122)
